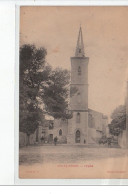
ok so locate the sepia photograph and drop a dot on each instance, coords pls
(73, 92)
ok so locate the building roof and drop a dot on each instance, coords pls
(80, 45)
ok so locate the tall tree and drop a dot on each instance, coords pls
(32, 61)
(42, 89)
(118, 123)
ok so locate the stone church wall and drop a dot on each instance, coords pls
(82, 127)
(97, 119)
(97, 126)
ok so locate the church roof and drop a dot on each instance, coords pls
(80, 45)
(97, 112)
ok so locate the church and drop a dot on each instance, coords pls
(86, 126)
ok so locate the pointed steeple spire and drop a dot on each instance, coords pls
(80, 45)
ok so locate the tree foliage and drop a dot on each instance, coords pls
(118, 122)
(55, 93)
(32, 60)
(42, 89)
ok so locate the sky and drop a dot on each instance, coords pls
(105, 35)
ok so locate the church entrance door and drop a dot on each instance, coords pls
(77, 138)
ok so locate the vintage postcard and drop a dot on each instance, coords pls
(73, 92)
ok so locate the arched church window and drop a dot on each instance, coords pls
(60, 132)
(79, 70)
(78, 117)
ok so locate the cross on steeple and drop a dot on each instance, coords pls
(80, 45)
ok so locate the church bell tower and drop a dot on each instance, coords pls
(78, 125)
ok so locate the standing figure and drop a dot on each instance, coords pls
(55, 140)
